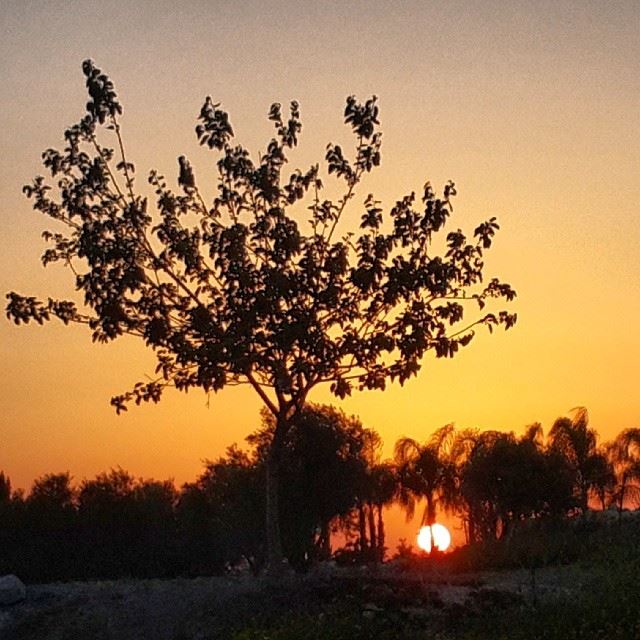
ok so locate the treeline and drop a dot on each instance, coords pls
(332, 480)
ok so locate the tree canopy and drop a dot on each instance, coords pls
(241, 290)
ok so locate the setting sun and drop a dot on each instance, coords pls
(437, 535)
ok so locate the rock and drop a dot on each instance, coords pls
(369, 610)
(12, 590)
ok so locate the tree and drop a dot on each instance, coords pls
(382, 482)
(53, 491)
(5, 489)
(624, 454)
(49, 539)
(505, 479)
(426, 471)
(240, 290)
(155, 527)
(11, 510)
(107, 523)
(220, 515)
(577, 443)
(323, 472)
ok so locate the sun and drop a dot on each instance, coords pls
(437, 535)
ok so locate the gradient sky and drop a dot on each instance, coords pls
(531, 107)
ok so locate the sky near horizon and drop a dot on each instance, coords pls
(531, 107)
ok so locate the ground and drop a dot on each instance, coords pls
(329, 603)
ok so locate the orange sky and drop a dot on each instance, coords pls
(531, 107)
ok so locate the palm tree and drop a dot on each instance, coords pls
(481, 467)
(426, 471)
(602, 477)
(376, 489)
(504, 479)
(382, 491)
(462, 449)
(624, 454)
(577, 444)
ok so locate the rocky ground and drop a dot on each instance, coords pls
(209, 608)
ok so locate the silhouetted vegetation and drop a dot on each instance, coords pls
(259, 285)
(517, 496)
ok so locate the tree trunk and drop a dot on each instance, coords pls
(623, 487)
(431, 510)
(325, 541)
(363, 529)
(274, 541)
(372, 528)
(471, 528)
(275, 558)
(603, 497)
(380, 535)
(584, 496)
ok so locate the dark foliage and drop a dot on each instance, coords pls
(514, 495)
(117, 526)
(324, 470)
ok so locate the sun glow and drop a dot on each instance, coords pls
(437, 535)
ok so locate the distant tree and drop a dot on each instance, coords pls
(53, 491)
(578, 444)
(602, 478)
(221, 516)
(50, 526)
(237, 290)
(383, 487)
(367, 539)
(624, 454)
(107, 522)
(323, 473)
(155, 528)
(481, 483)
(5, 489)
(126, 527)
(426, 471)
(505, 479)
(9, 524)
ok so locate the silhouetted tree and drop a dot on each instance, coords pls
(602, 478)
(505, 479)
(155, 528)
(221, 515)
(10, 524)
(5, 490)
(367, 538)
(383, 487)
(426, 471)
(324, 465)
(50, 520)
(624, 453)
(107, 516)
(236, 291)
(577, 443)
(479, 475)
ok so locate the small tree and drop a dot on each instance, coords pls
(239, 290)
